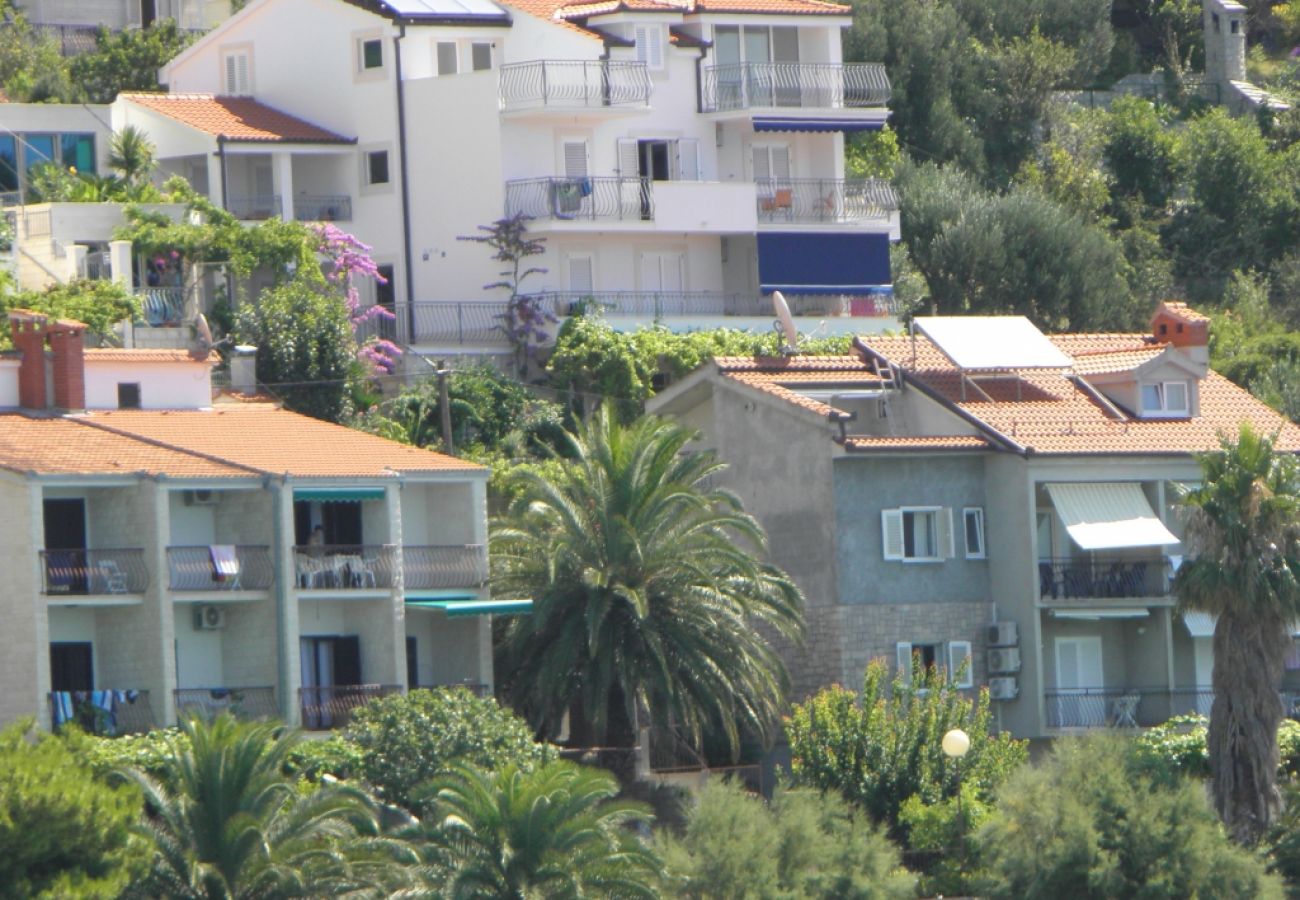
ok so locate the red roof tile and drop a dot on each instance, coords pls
(236, 118)
(118, 354)
(940, 442)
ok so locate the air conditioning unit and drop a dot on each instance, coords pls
(1004, 634)
(209, 618)
(1004, 659)
(1003, 688)
(201, 498)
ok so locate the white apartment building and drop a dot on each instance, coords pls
(170, 551)
(681, 159)
(75, 21)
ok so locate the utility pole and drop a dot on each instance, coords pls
(444, 406)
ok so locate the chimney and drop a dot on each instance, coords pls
(243, 370)
(28, 332)
(68, 352)
(1178, 324)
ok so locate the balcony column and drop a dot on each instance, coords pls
(392, 638)
(25, 639)
(285, 597)
(157, 500)
(282, 182)
(217, 179)
(484, 673)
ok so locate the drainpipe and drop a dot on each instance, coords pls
(225, 176)
(406, 190)
(283, 565)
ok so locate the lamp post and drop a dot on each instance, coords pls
(956, 744)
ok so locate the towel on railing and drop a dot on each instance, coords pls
(225, 562)
(63, 707)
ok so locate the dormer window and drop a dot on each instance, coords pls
(1165, 399)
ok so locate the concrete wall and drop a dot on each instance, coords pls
(185, 385)
(24, 641)
(448, 651)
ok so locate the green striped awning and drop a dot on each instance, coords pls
(469, 606)
(337, 494)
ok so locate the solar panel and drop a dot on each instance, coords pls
(445, 8)
(992, 342)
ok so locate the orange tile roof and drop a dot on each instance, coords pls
(547, 10)
(65, 446)
(785, 7)
(788, 363)
(939, 442)
(561, 10)
(1118, 361)
(275, 441)
(1182, 311)
(785, 376)
(161, 355)
(236, 118)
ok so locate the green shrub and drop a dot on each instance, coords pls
(149, 752)
(63, 832)
(941, 841)
(406, 740)
(335, 755)
(1085, 824)
(1177, 749)
(805, 846)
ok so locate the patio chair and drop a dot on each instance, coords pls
(310, 571)
(1048, 584)
(1078, 581)
(1123, 711)
(112, 577)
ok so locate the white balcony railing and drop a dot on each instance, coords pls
(569, 84)
(605, 198)
(824, 200)
(793, 86)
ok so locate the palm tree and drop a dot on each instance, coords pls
(131, 155)
(228, 824)
(647, 590)
(554, 832)
(1243, 565)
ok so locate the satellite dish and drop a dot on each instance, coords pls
(203, 332)
(785, 323)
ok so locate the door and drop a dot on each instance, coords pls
(728, 72)
(758, 69)
(72, 666)
(66, 566)
(788, 81)
(264, 204)
(412, 663)
(327, 663)
(1079, 682)
(1203, 659)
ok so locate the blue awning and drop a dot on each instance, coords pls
(335, 495)
(823, 263)
(794, 123)
(469, 606)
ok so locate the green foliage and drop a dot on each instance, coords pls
(127, 60)
(406, 740)
(627, 548)
(883, 747)
(131, 155)
(150, 752)
(1083, 824)
(872, 154)
(1144, 156)
(99, 304)
(32, 67)
(553, 832)
(805, 846)
(941, 840)
(335, 756)
(63, 832)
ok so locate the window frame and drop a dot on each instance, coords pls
(976, 514)
(474, 47)
(364, 46)
(650, 50)
(234, 51)
(124, 390)
(944, 541)
(371, 157)
(944, 655)
(437, 58)
(1163, 410)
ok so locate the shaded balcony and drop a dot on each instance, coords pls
(1103, 578)
(322, 208)
(84, 572)
(812, 200)
(574, 84)
(105, 712)
(459, 321)
(331, 707)
(220, 567)
(793, 85)
(241, 702)
(435, 568)
(347, 567)
(162, 305)
(254, 207)
(1110, 707)
(605, 198)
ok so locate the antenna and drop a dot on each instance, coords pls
(784, 324)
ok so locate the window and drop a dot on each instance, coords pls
(960, 664)
(480, 57)
(973, 518)
(128, 396)
(236, 73)
(78, 150)
(955, 657)
(1236, 25)
(1214, 19)
(771, 162)
(650, 45)
(377, 167)
(1165, 398)
(581, 279)
(446, 58)
(917, 534)
(38, 149)
(372, 54)
(8, 164)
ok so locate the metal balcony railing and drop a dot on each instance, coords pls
(793, 85)
(106, 712)
(111, 571)
(459, 322)
(824, 199)
(251, 207)
(353, 567)
(604, 197)
(1101, 578)
(331, 707)
(566, 84)
(659, 304)
(1112, 707)
(463, 566)
(240, 702)
(220, 568)
(162, 305)
(322, 208)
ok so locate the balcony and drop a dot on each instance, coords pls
(824, 200)
(1102, 578)
(483, 691)
(254, 207)
(665, 304)
(242, 702)
(345, 567)
(162, 305)
(322, 208)
(106, 712)
(742, 86)
(220, 568)
(118, 571)
(459, 322)
(434, 568)
(1108, 707)
(605, 199)
(574, 84)
(331, 707)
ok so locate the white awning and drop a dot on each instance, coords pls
(1199, 624)
(1109, 515)
(1095, 615)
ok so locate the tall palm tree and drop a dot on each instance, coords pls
(227, 824)
(648, 590)
(555, 832)
(130, 154)
(1243, 565)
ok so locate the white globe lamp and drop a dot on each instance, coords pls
(956, 743)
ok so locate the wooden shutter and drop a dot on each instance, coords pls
(903, 654)
(688, 159)
(891, 529)
(959, 654)
(650, 45)
(575, 159)
(580, 276)
(629, 163)
(236, 81)
(946, 548)
(762, 163)
(780, 161)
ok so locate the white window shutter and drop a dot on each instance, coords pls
(243, 86)
(580, 276)
(762, 163)
(688, 159)
(943, 523)
(575, 159)
(903, 653)
(231, 75)
(781, 162)
(891, 528)
(650, 45)
(628, 158)
(959, 654)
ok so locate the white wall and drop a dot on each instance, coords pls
(198, 653)
(185, 385)
(191, 525)
(72, 624)
(9, 383)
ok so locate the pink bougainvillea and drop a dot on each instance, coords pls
(346, 260)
